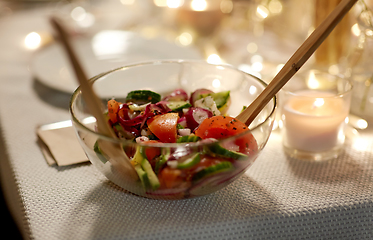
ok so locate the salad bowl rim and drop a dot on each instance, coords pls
(82, 126)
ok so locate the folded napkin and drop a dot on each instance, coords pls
(59, 144)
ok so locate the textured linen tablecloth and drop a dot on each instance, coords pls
(278, 198)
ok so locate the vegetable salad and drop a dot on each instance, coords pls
(150, 119)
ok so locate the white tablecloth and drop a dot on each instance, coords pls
(278, 198)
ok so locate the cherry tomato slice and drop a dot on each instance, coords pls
(164, 127)
(220, 127)
(151, 152)
(223, 126)
(113, 108)
(170, 178)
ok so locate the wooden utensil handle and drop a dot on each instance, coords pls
(114, 150)
(93, 102)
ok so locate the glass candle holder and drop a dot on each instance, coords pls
(314, 107)
(359, 62)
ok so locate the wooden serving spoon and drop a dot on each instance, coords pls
(114, 150)
(296, 61)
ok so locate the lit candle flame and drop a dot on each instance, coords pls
(312, 81)
(318, 102)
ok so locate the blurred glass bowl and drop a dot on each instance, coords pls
(213, 171)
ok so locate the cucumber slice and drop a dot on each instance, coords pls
(214, 169)
(178, 105)
(218, 150)
(143, 176)
(188, 138)
(153, 179)
(189, 162)
(141, 150)
(140, 161)
(137, 158)
(99, 153)
(163, 159)
(220, 98)
(143, 96)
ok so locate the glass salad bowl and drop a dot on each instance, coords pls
(176, 135)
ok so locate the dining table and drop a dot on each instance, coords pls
(278, 197)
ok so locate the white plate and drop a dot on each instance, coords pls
(106, 50)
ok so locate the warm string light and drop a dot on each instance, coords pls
(185, 39)
(32, 41)
(82, 18)
(198, 5)
(273, 7)
(214, 59)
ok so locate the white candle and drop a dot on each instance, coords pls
(313, 120)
